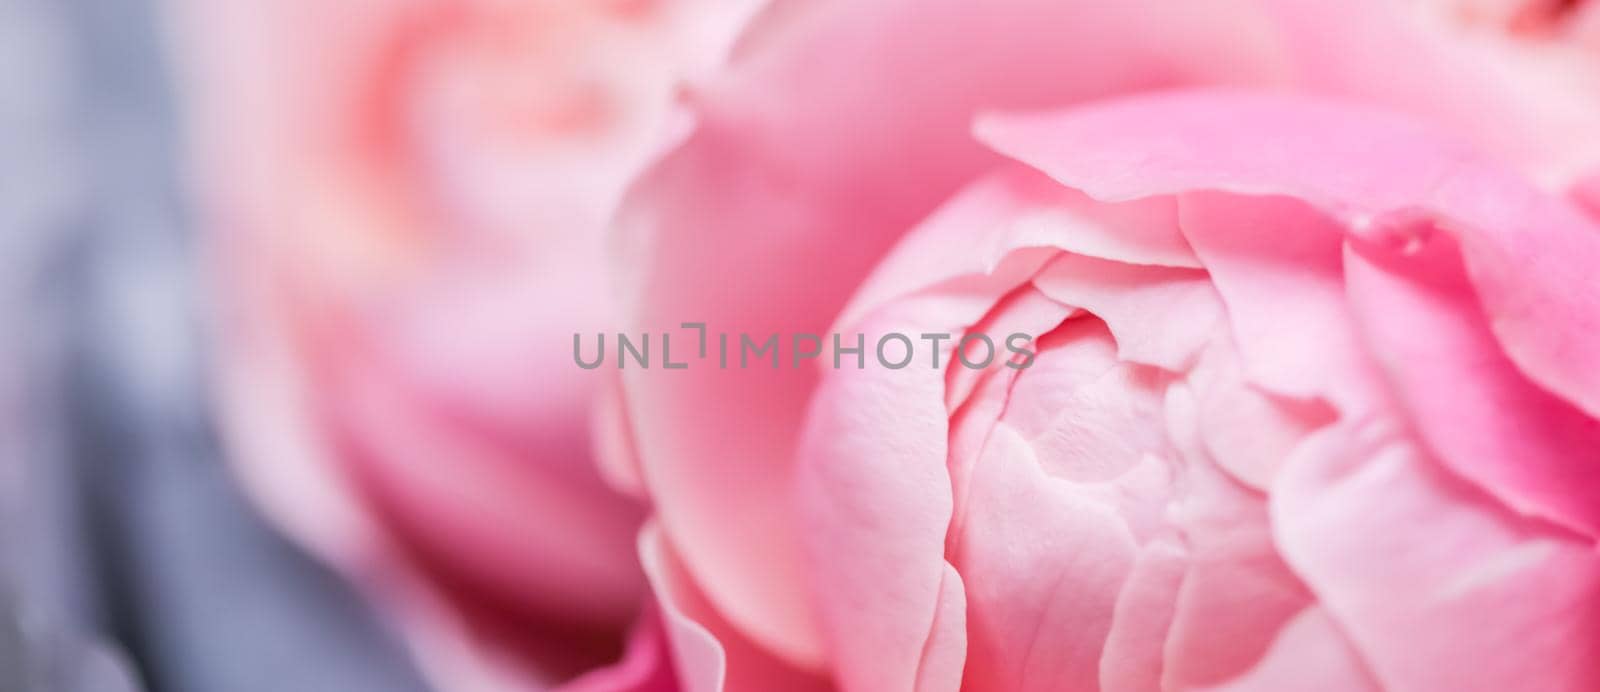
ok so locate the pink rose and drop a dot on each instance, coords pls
(1317, 372)
(1304, 397)
(410, 200)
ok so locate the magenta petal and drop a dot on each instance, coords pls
(646, 665)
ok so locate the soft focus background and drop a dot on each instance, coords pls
(128, 560)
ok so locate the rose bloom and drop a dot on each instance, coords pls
(1318, 376)
(407, 201)
(1314, 399)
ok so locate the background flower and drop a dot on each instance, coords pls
(408, 201)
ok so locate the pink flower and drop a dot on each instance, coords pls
(409, 201)
(1309, 388)
(1315, 395)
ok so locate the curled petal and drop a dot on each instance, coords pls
(708, 653)
(802, 170)
(1529, 254)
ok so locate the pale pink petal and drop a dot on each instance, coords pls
(972, 423)
(1161, 316)
(697, 654)
(1248, 431)
(1142, 495)
(1134, 655)
(1087, 429)
(802, 171)
(1013, 209)
(1043, 565)
(1437, 586)
(1024, 311)
(941, 247)
(611, 435)
(1309, 655)
(1529, 254)
(1276, 263)
(1137, 232)
(873, 488)
(945, 655)
(1070, 357)
(1234, 600)
(1237, 592)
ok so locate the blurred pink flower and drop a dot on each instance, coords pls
(408, 201)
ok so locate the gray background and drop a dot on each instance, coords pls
(127, 561)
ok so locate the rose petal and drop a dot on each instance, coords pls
(406, 457)
(874, 490)
(1133, 658)
(1043, 566)
(945, 655)
(697, 654)
(1161, 316)
(1276, 264)
(1437, 586)
(1090, 420)
(1309, 655)
(802, 171)
(1529, 101)
(1484, 420)
(1237, 594)
(1248, 432)
(1014, 209)
(1368, 166)
(645, 667)
(709, 654)
(1024, 311)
